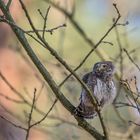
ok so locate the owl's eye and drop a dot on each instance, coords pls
(104, 66)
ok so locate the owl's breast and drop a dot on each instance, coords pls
(104, 91)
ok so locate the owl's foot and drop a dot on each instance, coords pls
(79, 112)
(76, 112)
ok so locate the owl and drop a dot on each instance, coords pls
(100, 82)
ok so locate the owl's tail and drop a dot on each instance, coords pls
(87, 112)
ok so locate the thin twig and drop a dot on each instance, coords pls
(130, 58)
(48, 30)
(8, 4)
(11, 99)
(17, 126)
(12, 88)
(118, 114)
(11, 113)
(40, 91)
(123, 104)
(134, 123)
(107, 42)
(136, 84)
(30, 116)
(123, 24)
(45, 21)
(121, 59)
(41, 120)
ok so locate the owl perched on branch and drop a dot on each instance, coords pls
(100, 82)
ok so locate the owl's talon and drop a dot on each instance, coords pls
(74, 113)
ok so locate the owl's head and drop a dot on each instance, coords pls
(104, 69)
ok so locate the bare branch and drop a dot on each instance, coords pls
(134, 123)
(41, 120)
(121, 59)
(8, 4)
(17, 126)
(30, 116)
(49, 30)
(45, 20)
(107, 42)
(130, 58)
(11, 99)
(12, 88)
(123, 24)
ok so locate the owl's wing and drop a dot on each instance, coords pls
(90, 80)
(85, 77)
(85, 109)
(85, 80)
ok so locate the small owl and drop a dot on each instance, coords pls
(100, 82)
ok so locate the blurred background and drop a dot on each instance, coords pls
(95, 17)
